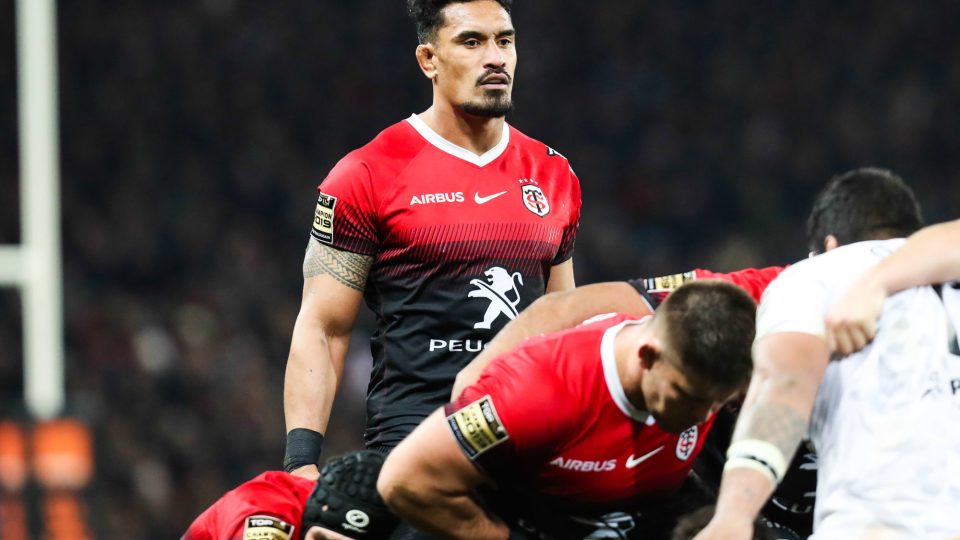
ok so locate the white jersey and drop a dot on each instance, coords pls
(886, 421)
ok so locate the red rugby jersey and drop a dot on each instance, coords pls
(268, 507)
(552, 417)
(461, 244)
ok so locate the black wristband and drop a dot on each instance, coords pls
(303, 448)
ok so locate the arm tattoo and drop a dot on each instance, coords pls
(351, 269)
(781, 425)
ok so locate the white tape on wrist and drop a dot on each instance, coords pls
(758, 455)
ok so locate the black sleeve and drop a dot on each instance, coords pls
(642, 285)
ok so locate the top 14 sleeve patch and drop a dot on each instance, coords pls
(477, 427)
(666, 284)
(266, 528)
(323, 218)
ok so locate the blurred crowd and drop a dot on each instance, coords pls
(194, 134)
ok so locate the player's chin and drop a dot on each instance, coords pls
(489, 107)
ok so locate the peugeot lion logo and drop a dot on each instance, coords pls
(499, 287)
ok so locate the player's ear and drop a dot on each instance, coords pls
(830, 242)
(649, 354)
(426, 59)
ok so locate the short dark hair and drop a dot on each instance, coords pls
(863, 204)
(711, 324)
(428, 15)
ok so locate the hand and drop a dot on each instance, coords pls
(726, 530)
(310, 472)
(852, 322)
(319, 533)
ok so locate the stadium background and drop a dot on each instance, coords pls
(193, 135)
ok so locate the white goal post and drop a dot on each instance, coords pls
(34, 266)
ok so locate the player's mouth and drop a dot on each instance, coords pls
(495, 81)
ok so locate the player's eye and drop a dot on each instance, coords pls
(472, 43)
(505, 42)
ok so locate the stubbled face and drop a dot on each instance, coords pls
(679, 400)
(475, 58)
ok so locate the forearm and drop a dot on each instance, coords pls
(771, 425)
(772, 419)
(930, 256)
(428, 481)
(445, 515)
(551, 313)
(313, 372)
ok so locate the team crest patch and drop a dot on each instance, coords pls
(533, 197)
(323, 218)
(668, 283)
(266, 528)
(687, 443)
(477, 427)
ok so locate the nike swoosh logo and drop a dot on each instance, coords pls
(480, 200)
(631, 462)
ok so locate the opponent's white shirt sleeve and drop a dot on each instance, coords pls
(794, 302)
(798, 300)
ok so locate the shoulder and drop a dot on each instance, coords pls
(538, 151)
(837, 268)
(399, 141)
(391, 149)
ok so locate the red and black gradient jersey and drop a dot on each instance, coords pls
(461, 243)
(268, 507)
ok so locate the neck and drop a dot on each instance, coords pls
(476, 134)
(625, 348)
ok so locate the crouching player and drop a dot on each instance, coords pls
(574, 431)
(342, 504)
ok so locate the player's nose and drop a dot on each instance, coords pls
(493, 56)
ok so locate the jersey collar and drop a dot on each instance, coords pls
(614, 384)
(444, 145)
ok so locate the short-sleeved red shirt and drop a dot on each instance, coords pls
(553, 416)
(461, 243)
(268, 507)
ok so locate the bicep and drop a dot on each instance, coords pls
(333, 286)
(431, 459)
(788, 368)
(791, 357)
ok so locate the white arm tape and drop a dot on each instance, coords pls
(759, 455)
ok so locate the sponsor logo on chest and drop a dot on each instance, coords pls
(582, 465)
(501, 289)
(437, 198)
(531, 195)
(602, 465)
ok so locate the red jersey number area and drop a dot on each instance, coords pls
(551, 414)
